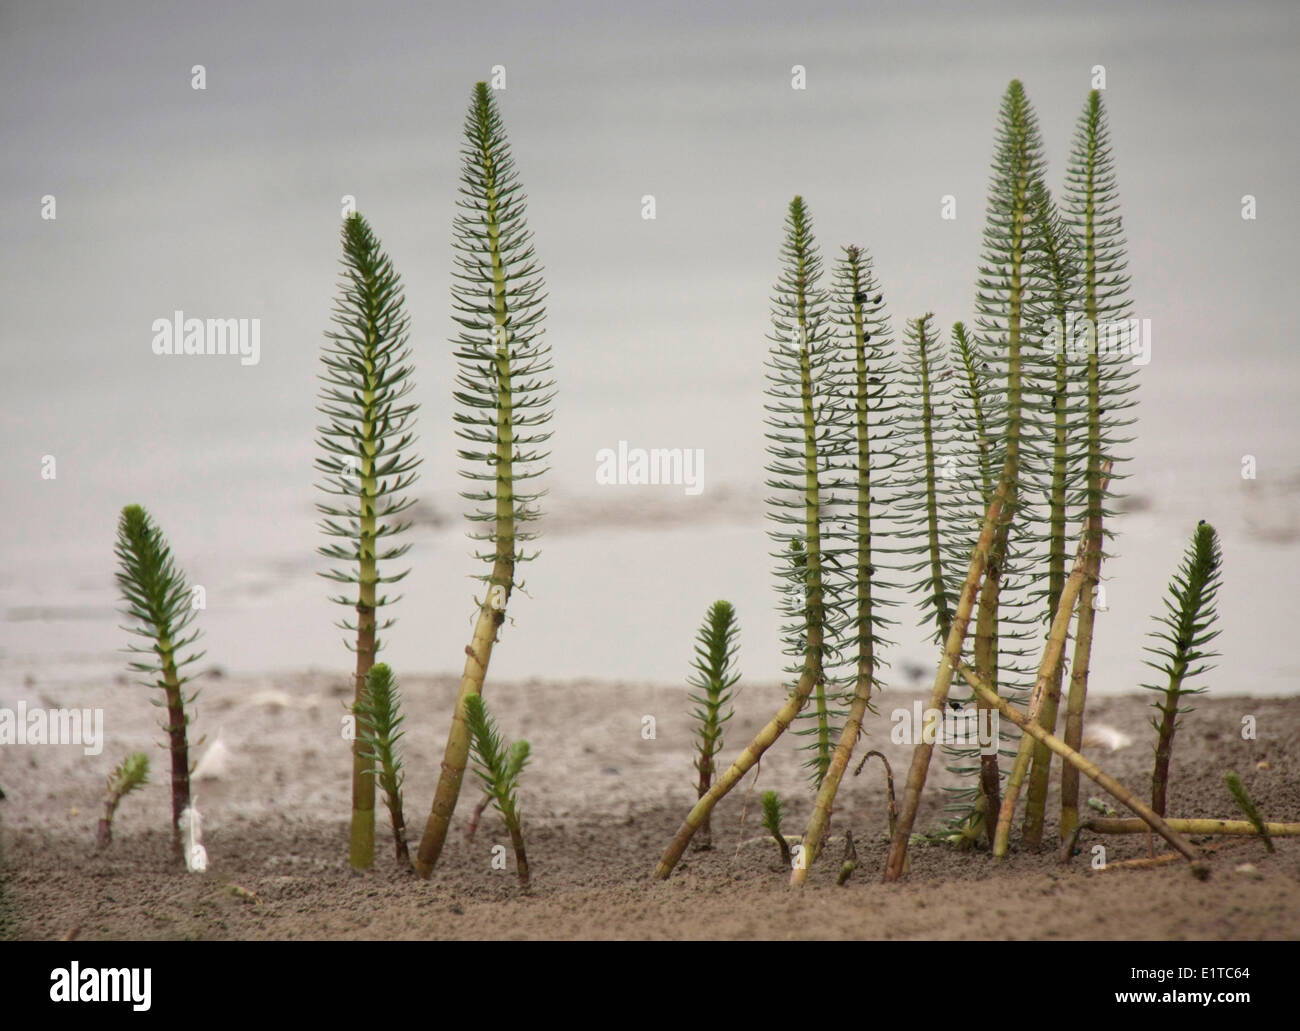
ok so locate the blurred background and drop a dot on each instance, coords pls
(226, 203)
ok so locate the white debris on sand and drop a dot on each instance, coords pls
(1103, 735)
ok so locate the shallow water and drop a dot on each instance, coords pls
(226, 202)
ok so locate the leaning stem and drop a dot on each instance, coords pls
(821, 814)
(812, 675)
(762, 741)
(1112, 825)
(1036, 799)
(456, 753)
(921, 754)
(1079, 762)
(1049, 672)
(492, 608)
(1087, 612)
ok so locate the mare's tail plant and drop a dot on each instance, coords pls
(504, 400)
(1062, 420)
(1007, 283)
(366, 467)
(714, 677)
(968, 474)
(930, 440)
(772, 811)
(131, 773)
(942, 419)
(380, 709)
(1247, 805)
(1090, 210)
(800, 386)
(499, 767)
(158, 600)
(1186, 630)
(802, 367)
(859, 413)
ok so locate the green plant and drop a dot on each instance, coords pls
(714, 677)
(1185, 632)
(800, 392)
(858, 415)
(850, 861)
(504, 402)
(1079, 762)
(896, 864)
(365, 382)
(158, 599)
(380, 710)
(1054, 307)
(969, 479)
(1008, 279)
(131, 773)
(772, 812)
(930, 438)
(1247, 806)
(800, 384)
(499, 767)
(1090, 208)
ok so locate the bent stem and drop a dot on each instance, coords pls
(1049, 669)
(131, 773)
(1078, 762)
(772, 821)
(921, 754)
(1194, 826)
(762, 741)
(503, 404)
(456, 752)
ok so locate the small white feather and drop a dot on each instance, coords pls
(191, 824)
(1104, 736)
(215, 764)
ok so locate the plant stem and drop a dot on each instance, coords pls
(821, 814)
(1247, 806)
(456, 752)
(921, 754)
(1079, 762)
(362, 837)
(521, 858)
(761, 742)
(492, 608)
(476, 816)
(822, 807)
(1193, 826)
(176, 723)
(850, 862)
(1049, 668)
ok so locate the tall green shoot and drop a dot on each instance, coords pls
(365, 380)
(504, 401)
(159, 601)
(713, 678)
(1186, 628)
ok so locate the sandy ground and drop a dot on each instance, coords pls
(600, 802)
